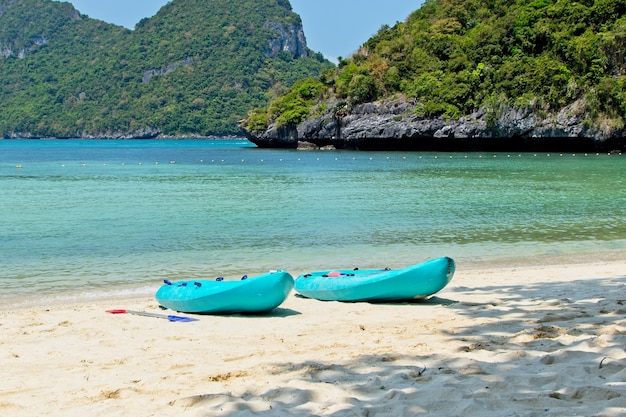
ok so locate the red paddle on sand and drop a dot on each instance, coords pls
(161, 316)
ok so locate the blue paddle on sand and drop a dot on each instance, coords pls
(161, 316)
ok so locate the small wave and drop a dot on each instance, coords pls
(71, 297)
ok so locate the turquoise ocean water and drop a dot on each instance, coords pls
(101, 218)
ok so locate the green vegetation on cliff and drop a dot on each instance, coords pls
(452, 57)
(196, 68)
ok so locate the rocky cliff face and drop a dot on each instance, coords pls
(395, 125)
(290, 38)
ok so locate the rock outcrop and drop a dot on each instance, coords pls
(290, 38)
(147, 76)
(395, 125)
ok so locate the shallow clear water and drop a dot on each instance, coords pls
(95, 217)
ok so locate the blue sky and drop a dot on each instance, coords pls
(333, 27)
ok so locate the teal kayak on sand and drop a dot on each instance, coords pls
(256, 294)
(413, 282)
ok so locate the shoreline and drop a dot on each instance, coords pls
(515, 341)
(142, 290)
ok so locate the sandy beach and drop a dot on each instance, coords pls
(532, 341)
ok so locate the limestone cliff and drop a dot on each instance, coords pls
(289, 38)
(394, 125)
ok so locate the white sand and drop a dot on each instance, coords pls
(540, 341)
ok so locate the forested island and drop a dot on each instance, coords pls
(455, 75)
(194, 69)
(468, 74)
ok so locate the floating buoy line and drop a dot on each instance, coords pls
(374, 158)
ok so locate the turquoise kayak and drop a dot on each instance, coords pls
(413, 282)
(249, 295)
